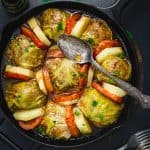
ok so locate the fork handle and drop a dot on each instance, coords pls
(124, 147)
(144, 100)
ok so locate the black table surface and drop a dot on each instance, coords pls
(136, 19)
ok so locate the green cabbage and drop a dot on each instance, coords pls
(24, 95)
(64, 73)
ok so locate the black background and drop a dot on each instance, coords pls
(135, 18)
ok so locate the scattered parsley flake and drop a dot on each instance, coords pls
(26, 50)
(117, 72)
(83, 74)
(95, 103)
(54, 121)
(76, 113)
(121, 55)
(90, 41)
(101, 116)
(74, 75)
(111, 81)
(60, 26)
(18, 97)
(40, 130)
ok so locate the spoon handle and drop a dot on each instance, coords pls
(144, 100)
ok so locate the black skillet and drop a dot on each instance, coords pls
(130, 48)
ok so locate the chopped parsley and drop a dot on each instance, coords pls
(117, 72)
(76, 113)
(54, 121)
(26, 49)
(60, 26)
(95, 103)
(40, 130)
(74, 76)
(90, 41)
(101, 116)
(110, 80)
(18, 97)
(121, 55)
(83, 74)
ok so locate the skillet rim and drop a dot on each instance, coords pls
(138, 58)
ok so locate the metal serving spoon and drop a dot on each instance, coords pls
(81, 52)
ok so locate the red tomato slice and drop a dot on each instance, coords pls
(29, 125)
(47, 80)
(105, 44)
(16, 76)
(71, 22)
(70, 120)
(67, 96)
(83, 75)
(27, 32)
(99, 88)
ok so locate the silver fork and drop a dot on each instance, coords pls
(140, 140)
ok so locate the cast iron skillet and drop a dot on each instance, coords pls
(131, 51)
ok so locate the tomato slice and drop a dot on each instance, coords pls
(99, 88)
(105, 44)
(67, 96)
(29, 125)
(71, 22)
(16, 76)
(47, 80)
(70, 120)
(27, 32)
(83, 75)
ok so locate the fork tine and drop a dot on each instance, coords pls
(145, 142)
(147, 147)
(144, 137)
(143, 133)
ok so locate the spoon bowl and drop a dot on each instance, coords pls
(75, 49)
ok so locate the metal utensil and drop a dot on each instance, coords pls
(81, 52)
(140, 140)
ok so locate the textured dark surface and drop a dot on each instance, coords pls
(135, 18)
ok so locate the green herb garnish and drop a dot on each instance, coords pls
(26, 49)
(95, 103)
(18, 97)
(74, 76)
(60, 26)
(117, 72)
(101, 116)
(110, 80)
(54, 121)
(76, 113)
(121, 55)
(83, 74)
(40, 130)
(90, 41)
